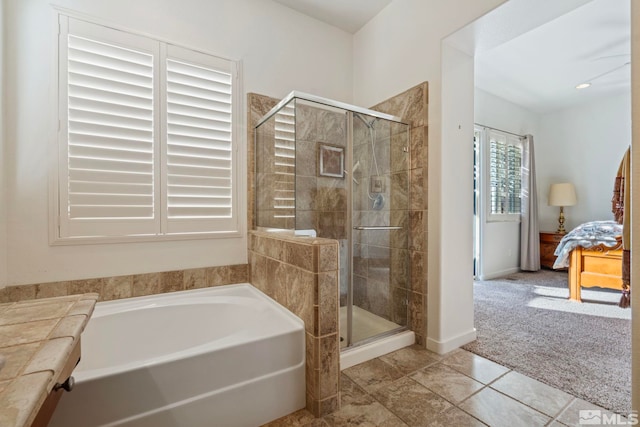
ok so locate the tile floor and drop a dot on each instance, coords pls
(415, 387)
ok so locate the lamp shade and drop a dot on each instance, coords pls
(562, 194)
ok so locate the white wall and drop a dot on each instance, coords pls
(281, 50)
(3, 190)
(500, 241)
(411, 41)
(582, 145)
(496, 112)
(399, 48)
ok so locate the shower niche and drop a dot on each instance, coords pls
(332, 170)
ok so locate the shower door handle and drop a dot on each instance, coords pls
(376, 227)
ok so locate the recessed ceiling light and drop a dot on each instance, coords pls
(586, 85)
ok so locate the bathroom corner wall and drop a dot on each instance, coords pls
(301, 273)
(412, 107)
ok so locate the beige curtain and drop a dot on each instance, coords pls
(529, 231)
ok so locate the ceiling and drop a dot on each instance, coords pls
(538, 69)
(349, 15)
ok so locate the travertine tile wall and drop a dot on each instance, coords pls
(301, 273)
(275, 167)
(381, 259)
(412, 107)
(110, 288)
(321, 201)
(257, 107)
(271, 256)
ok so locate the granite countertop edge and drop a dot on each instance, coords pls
(37, 338)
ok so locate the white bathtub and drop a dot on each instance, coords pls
(224, 356)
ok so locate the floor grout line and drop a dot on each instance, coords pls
(562, 411)
(379, 393)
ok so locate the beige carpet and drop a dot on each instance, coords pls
(525, 322)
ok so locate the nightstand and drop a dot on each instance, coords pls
(548, 243)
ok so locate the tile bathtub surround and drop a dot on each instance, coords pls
(37, 338)
(415, 387)
(117, 287)
(301, 273)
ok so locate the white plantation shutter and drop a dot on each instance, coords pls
(285, 164)
(199, 148)
(106, 167)
(505, 177)
(146, 137)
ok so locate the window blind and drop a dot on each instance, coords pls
(146, 137)
(110, 131)
(284, 163)
(505, 160)
(199, 151)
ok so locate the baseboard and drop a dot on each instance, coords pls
(497, 274)
(442, 347)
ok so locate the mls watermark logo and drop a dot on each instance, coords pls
(598, 418)
(591, 417)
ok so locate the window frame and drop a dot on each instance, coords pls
(234, 227)
(485, 151)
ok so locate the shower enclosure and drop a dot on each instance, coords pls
(337, 171)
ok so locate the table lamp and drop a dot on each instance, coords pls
(562, 194)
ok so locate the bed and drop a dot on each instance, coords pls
(593, 253)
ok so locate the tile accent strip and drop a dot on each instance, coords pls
(134, 285)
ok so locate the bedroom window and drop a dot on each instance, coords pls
(505, 176)
(147, 142)
(498, 171)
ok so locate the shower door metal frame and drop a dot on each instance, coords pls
(350, 110)
(328, 102)
(349, 163)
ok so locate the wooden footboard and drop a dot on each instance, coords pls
(598, 266)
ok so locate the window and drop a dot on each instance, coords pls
(498, 173)
(505, 176)
(147, 140)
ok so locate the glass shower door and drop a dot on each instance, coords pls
(377, 299)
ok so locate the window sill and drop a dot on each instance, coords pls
(101, 240)
(504, 218)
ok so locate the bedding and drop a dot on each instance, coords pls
(587, 235)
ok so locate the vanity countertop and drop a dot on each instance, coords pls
(36, 341)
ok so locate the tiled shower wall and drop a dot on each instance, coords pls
(302, 273)
(321, 201)
(267, 251)
(381, 258)
(412, 107)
